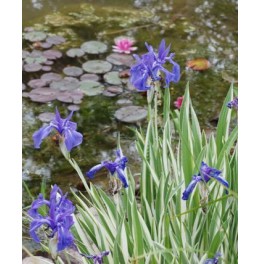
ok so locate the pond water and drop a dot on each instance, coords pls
(195, 29)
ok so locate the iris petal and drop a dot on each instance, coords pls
(122, 177)
(72, 138)
(191, 186)
(40, 134)
(93, 170)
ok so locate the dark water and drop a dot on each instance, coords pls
(195, 28)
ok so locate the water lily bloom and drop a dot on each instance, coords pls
(213, 260)
(117, 166)
(124, 45)
(149, 67)
(65, 128)
(233, 103)
(97, 259)
(178, 102)
(59, 218)
(205, 175)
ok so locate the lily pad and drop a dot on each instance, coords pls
(112, 78)
(73, 107)
(94, 47)
(55, 40)
(46, 68)
(131, 114)
(23, 86)
(25, 54)
(34, 36)
(91, 88)
(35, 56)
(108, 94)
(90, 77)
(97, 66)
(70, 97)
(33, 67)
(45, 45)
(124, 74)
(65, 85)
(124, 102)
(37, 260)
(75, 52)
(199, 64)
(50, 77)
(43, 95)
(48, 62)
(73, 71)
(52, 54)
(46, 117)
(37, 83)
(115, 89)
(120, 59)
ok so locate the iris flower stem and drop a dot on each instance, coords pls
(157, 87)
(74, 164)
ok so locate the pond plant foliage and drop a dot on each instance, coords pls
(185, 207)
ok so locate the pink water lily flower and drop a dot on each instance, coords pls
(124, 45)
(178, 102)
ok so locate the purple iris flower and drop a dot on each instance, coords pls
(233, 103)
(97, 259)
(213, 260)
(65, 128)
(148, 67)
(112, 166)
(59, 218)
(205, 175)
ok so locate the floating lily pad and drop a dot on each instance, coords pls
(43, 95)
(55, 40)
(73, 107)
(112, 78)
(46, 68)
(35, 56)
(46, 117)
(37, 83)
(48, 62)
(94, 47)
(130, 87)
(65, 85)
(115, 89)
(50, 77)
(97, 66)
(120, 59)
(131, 114)
(72, 71)
(52, 54)
(45, 45)
(35, 36)
(90, 77)
(108, 94)
(199, 64)
(75, 52)
(124, 102)
(70, 96)
(33, 67)
(25, 54)
(23, 86)
(26, 95)
(91, 88)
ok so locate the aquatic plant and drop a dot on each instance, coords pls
(59, 218)
(206, 174)
(124, 45)
(66, 132)
(117, 166)
(149, 67)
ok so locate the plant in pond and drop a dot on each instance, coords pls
(178, 102)
(117, 166)
(124, 45)
(233, 103)
(97, 259)
(66, 132)
(205, 175)
(147, 70)
(58, 219)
